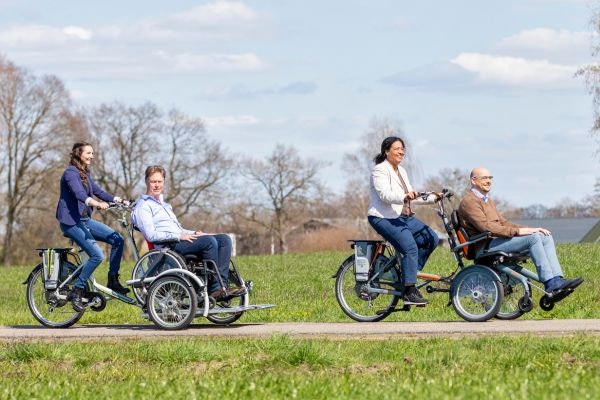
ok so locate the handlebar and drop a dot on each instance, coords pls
(446, 194)
(119, 206)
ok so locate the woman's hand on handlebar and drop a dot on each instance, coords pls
(412, 195)
(100, 205)
(438, 195)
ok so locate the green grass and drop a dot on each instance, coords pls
(302, 288)
(280, 367)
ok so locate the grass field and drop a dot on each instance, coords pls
(519, 367)
(302, 288)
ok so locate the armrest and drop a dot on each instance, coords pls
(164, 242)
(479, 237)
(474, 239)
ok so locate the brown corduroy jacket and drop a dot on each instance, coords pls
(477, 216)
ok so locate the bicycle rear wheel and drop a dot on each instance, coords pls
(356, 302)
(514, 291)
(227, 317)
(476, 293)
(46, 306)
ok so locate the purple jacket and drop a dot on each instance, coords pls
(71, 204)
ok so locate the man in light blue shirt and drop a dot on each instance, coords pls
(157, 222)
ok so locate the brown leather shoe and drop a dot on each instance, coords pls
(220, 294)
(236, 291)
(217, 294)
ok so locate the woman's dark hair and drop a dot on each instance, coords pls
(385, 146)
(153, 169)
(76, 152)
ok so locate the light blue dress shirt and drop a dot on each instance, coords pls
(156, 220)
(480, 195)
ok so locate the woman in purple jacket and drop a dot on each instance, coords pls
(74, 211)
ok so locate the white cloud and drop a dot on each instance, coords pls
(41, 36)
(207, 63)
(516, 71)
(77, 32)
(546, 39)
(229, 121)
(217, 14)
(557, 45)
(190, 42)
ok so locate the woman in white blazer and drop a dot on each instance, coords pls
(390, 214)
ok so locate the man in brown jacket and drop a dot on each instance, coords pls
(478, 213)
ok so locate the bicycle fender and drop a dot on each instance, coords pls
(26, 281)
(468, 268)
(188, 276)
(341, 266)
(494, 274)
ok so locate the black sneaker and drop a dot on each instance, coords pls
(412, 296)
(114, 284)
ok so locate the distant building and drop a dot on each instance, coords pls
(567, 230)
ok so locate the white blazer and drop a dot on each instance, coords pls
(387, 193)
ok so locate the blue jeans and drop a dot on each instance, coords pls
(540, 248)
(411, 238)
(85, 234)
(210, 247)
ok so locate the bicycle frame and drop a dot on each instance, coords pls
(427, 278)
(171, 297)
(97, 286)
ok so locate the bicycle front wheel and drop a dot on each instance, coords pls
(46, 306)
(149, 265)
(476, 294)
(171, 303)
(356, 302)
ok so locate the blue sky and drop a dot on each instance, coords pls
(472, 82)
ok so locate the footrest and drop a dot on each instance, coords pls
(405, 307)
(236, 309)
(558, 296)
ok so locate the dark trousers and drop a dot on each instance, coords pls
(411, 238)
(210, 247)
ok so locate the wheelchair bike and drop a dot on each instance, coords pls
(170, 289)
(369, 287)
(368, 284)
(517, 281)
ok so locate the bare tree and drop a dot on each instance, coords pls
(455, 179)
(591, 74)
(35, 120)
(358, 166)
(125, 138)
(132, 137)
(287, 186)
(198, 165)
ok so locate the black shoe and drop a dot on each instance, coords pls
(114, 284)
(412, 296)
(557, 295)
(572, 283)
(76, 301)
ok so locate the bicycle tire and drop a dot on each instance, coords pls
(45, 307)
(361, 308)
(476, 293)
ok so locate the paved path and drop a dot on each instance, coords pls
(308, 329)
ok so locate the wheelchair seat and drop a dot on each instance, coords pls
(486, 257)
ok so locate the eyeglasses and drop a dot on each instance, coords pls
(490, 177)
